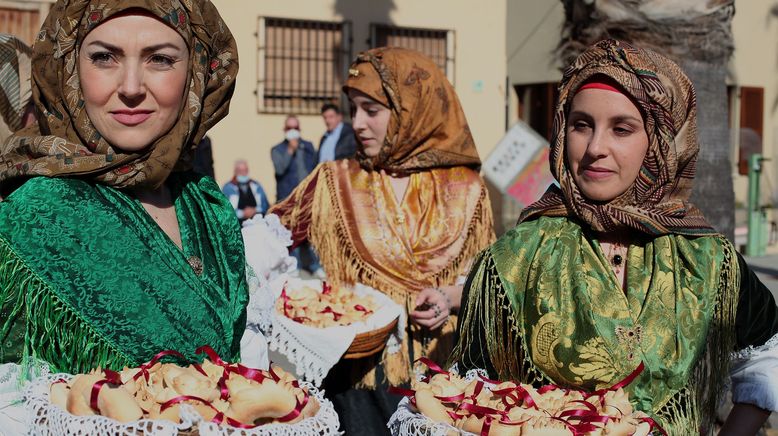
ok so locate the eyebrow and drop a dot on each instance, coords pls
(149, 49)
(616, 118)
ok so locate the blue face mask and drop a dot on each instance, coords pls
(242, 179)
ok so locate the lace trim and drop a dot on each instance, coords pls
(749, 352)
(309, 365)
(47, 419)
(273, 225)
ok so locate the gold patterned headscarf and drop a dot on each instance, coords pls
(66, 142)
(427, 128)
(657, 203)
(15, 89)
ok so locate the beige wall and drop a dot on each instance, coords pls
(533, 30)
(479, 56)
(755, 63)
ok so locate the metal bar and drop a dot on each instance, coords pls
(753, 246)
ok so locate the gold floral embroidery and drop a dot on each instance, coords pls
(596, 364)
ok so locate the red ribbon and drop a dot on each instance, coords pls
(298, 408)
(627, 380)
(362, 308)
(144, 369)
(326, 288)
(401, 391)
(335, 315)
(111, 377)
(217, 419)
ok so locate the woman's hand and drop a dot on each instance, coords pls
(434, 305)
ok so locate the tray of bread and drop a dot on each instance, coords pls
(209, 398)
(444, 403)
(318, 304)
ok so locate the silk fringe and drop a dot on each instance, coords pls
(333, 243)
(54, 332)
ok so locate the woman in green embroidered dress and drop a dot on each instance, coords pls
(615, 267)
(111, 249)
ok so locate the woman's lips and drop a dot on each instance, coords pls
(131, 118)
(597, 173)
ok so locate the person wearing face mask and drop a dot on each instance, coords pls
(293, 158)
(614, 272)
(245, 194)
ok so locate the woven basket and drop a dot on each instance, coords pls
(369, 343)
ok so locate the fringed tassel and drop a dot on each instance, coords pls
(53, 332)
(695, 406)
(332, 241)
(488, 315)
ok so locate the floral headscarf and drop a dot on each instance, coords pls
(66, 142)
(658, 201)
(14, 83)
(427, 128)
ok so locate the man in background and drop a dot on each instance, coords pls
(245, 194)
(293, 159)
(339, 141)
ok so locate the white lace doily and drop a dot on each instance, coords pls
(267, 244)
(47, 419)
(314, 351)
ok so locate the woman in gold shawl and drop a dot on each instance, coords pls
(615, 267)
(406, 216)
(111, 250)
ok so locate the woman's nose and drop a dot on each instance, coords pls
(359, 120)
(132, 86)
(598, 144)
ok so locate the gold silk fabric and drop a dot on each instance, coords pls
(66, 143)
(548, 304)
(427, 128)
(363, 233)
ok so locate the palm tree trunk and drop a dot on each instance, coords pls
(713, 190)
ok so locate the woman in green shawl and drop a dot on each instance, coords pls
(615, 267)
(111, 249)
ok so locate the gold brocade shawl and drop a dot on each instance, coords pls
(548, 309)
(65, 143)
(363, 234)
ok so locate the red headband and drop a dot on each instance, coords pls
(599, 85)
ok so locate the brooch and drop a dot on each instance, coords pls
(196, 264)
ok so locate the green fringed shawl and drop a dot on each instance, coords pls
(88, 279)
(550, 310)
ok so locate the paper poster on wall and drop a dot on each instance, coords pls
(518, 166)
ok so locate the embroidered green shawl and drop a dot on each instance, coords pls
(570, 323)
(88, 279)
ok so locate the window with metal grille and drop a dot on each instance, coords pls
(302, 64)
(24, 23)
(436, 43)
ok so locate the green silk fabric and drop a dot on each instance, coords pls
(87, 277)
(578, 328)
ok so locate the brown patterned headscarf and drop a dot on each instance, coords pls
(427, 128)
(66, 142)
(15, 91)
(657, 203)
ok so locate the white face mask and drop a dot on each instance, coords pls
(292, 134)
